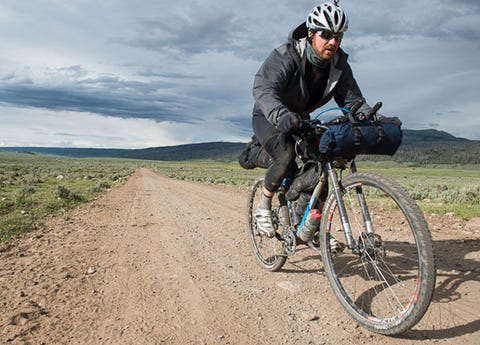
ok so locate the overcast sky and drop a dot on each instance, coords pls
(136, 74)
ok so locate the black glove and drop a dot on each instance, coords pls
(288, 123)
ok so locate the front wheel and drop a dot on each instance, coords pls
(386, 282)
(269, 252)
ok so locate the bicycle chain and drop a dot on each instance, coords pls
(289, 240)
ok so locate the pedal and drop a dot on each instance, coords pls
(336, 247)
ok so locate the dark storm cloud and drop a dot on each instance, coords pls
(73, 88)
(198, 30)
(168, 75)
(429, 18)
(105, 95)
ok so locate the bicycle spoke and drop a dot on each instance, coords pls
(380, 282)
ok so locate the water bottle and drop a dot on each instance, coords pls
(311, 225)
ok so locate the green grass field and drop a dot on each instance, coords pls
(438, 189)
(33, 186)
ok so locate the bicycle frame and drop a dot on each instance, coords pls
(330, 172)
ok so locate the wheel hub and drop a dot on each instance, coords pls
(371, 246)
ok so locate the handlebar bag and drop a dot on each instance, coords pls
(345, 139)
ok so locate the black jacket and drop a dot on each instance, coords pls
(280, 86)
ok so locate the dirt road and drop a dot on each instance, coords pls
(161, 261)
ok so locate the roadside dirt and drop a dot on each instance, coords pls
(161, 261)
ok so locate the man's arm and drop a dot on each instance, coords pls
(348, 93)
(270, 81)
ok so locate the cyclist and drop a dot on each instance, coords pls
(298, 77)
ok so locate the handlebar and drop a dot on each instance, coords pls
(308, 128)
(313, 129)
(350, 114)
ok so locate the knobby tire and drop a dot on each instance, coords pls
(388, 288)
(268, 252)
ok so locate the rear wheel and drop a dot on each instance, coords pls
(387, 283)
(269, 252)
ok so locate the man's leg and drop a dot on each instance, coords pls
(282, 151)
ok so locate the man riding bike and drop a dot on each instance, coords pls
(298, 77)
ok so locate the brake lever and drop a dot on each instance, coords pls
(373, 112)
(353, 110)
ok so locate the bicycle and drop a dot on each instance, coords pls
(382, 271)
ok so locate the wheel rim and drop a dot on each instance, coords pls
(381, 283)
(267, 250)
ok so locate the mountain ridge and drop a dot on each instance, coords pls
(436, 147)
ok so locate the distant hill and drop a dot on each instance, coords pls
(428, 135)
(432, 146)
(418, 146)
(212, 150)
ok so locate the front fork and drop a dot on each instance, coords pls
(338, 192)
(367, 221)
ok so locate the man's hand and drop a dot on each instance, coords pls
(288, 123)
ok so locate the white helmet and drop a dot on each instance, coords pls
(327, 16)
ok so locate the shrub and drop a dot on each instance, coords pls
(14, 224)
(99, 186)
(6, 206)
(22, 195)
(66, 194)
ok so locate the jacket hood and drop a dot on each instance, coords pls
(299, 32)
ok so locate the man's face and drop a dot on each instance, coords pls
(325, 43)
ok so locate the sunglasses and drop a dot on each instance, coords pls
(328, 35)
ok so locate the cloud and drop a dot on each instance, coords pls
(7, 77)
(428, 18)
(33, 127)
(161, 96)
(41, 127)
(418, 84)
(104, 96)
(195, 30)
(201, 28)
(186, 68)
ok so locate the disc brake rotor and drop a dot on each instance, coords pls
(372, 246)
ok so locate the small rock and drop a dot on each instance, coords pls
(289, 286)
(91, 270)
(310, 316)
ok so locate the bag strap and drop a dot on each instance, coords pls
(376, 122)
(380, 133)
(357, 133)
